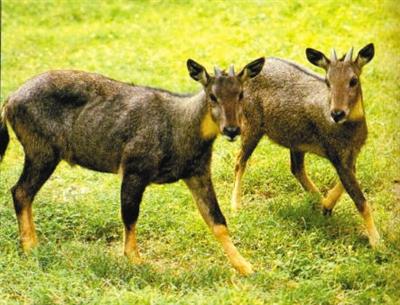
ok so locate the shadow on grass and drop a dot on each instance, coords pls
(306, 216)
(120, 272)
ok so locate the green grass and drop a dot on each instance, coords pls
(300, 256)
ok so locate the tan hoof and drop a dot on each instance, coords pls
(374, 238)
(28, 244)
(329, 201)
(241, 265)
(134, 259)
(236, 204)
(244, 268)
(326, 203)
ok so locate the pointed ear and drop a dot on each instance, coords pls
(197, 72)
(317, 58)
(252, 69)
(365, 55)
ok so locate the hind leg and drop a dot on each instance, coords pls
(298, 170)
(37, 169)
(331, 198)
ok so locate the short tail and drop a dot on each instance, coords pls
(4, 136)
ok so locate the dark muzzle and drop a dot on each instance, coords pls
(338, 115)
(231, 132)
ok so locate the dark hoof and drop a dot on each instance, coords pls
(326, 212)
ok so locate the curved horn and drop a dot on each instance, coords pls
(333, 55)
(349, 55)
(231, 70)
(217, 71)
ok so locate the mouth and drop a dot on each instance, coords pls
(231, 139)
(341, 121)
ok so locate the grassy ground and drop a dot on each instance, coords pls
(300, 256)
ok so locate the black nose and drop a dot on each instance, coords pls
(337, 115)
(231, 131)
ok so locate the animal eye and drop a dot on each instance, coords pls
(240, 95)
(353, 82)
(327, 83)
(213, 97)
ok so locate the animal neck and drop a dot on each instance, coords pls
(208, 128)
(196, 113)
(357, 112)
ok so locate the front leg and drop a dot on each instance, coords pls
(249, 143)
(333, 196)
(347, 176)
(131, 195)
(203, 193)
